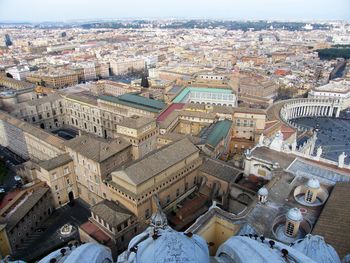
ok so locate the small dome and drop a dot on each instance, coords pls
(294, 214)
(317, 249)
(313, 183)
(263, 191)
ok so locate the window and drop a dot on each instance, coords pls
(65, 170)
(308, 196)
(290, 229)
(168, 199)
(56, 187)
(54, 175)
(177, 192)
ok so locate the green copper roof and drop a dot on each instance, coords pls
(136, 101)
(216, 132)
(186, 91)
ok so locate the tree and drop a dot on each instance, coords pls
(285, 93)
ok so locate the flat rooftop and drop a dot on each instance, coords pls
(181, 96)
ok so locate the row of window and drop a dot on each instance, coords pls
(159, 187)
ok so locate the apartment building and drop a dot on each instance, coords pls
(59, 175)
(141, 132)
(55, 78)
(94, 158)
(27, 140)
(110, 224)
(170, 172)
(83, 113)
(21, 214)
(127, 65)
(248, 124)
(47, 112)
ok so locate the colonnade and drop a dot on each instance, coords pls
(297, 108)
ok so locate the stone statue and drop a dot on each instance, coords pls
(261, 139)
(341, 159)
(319, 152)
(294, 145)
(277, 142)
(158, 219)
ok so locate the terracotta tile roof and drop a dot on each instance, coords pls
(334, 221)
(96, 233)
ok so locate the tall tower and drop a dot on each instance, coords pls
(8, 41)
(294, 218)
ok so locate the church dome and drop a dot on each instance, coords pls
(317, 249)
(294, 214)
(167, 245)
(242, 249)
(263, 191)
(89, 252)
(313, 183)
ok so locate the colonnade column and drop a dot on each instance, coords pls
(338, 112)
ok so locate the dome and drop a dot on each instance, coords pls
(263, 191)
(89, 252)
(166, 245)
(313, 183)
(317, 249)
(294, 214)
(242, 249)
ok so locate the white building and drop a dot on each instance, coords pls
(18, 72)
(338, 88)
(124, 66)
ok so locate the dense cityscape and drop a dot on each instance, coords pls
(175, 140)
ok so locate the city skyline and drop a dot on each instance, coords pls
(17, 10)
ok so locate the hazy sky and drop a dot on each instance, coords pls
(62, 10)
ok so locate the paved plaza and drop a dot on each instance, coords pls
(333, 135)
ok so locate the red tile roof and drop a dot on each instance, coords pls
(95, 232)
(169, 110)
(8, 198)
